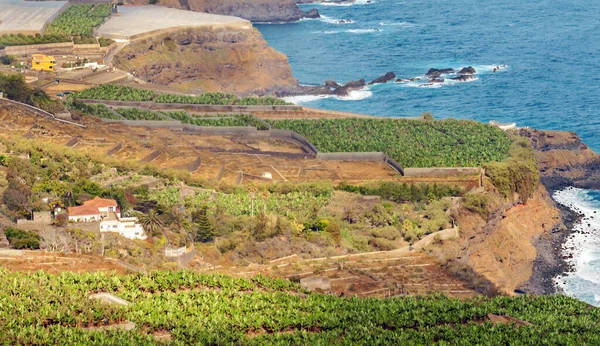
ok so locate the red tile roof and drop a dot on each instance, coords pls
(98, 202)
(83, 210)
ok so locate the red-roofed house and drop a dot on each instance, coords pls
(107, 212)
(93, 210)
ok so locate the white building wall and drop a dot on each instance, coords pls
(84, 218)
(128, 228)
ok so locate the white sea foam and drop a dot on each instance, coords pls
(362, 31)
(583, 245)
(357, 2)
(425, 83)
(354, 95)
(351, 31)
(297, 100)
(401, 24)
(330, 20)
(489, 68)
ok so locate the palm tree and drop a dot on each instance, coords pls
(265, 195)
(152, 222)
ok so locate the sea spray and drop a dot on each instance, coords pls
(582, 248)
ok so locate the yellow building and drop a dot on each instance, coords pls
(41, 62)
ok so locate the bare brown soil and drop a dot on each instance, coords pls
(379, 274)
(32, 261)
(233, 155)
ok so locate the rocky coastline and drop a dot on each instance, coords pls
(564, 161)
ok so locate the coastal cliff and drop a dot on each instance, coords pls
(253, 10)
(208, 60)
(502, 247)
(564, 160)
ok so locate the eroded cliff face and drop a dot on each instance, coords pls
(201, 60)
(502, 247)
(253, 10)
(564, 160)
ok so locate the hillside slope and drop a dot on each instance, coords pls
(199, 60)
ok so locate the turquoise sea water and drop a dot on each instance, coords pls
(550, 49)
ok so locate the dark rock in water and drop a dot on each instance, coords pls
(314, 13)
(467, 70)
(331, 83)
(355, 84)
(400, 80)
(352, 85)
(414, 79)
(384, 79)
(435, 73)
(463, 78)
(437, 80)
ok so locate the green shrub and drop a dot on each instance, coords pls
(20, 239)
(518, 173)
(477, 203)
(388, 232)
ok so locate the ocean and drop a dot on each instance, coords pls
(537, 65)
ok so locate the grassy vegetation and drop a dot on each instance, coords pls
(79, 20)
(447, 143)
(102, 111)
(402, 192)
(20, 239)
(126, 93)
(518, 173)
(75, 23)
(218, 310)
(8, 40)
(14, 88)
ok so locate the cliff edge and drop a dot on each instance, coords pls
(206, 59)
(263, 11)
(563, 159)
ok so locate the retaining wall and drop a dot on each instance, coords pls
(114, 149)
(63, 48)
(284, 135)
(441, 171)
(33, 111)
(195, 107)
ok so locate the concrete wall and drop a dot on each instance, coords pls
(65, 48)
(441, 171)
(32, 111)
(40, 218)
(195, 107)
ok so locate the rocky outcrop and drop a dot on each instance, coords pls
(463, 78)
(314, 13)
(384, 79)
(200, 60)
(253, 10)
(329, 88)
(467, 70)
(564, 160)
(436, 73)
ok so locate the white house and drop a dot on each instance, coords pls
(128, 227)
(107, 212)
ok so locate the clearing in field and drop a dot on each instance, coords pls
(139, 20)
(28, 17)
